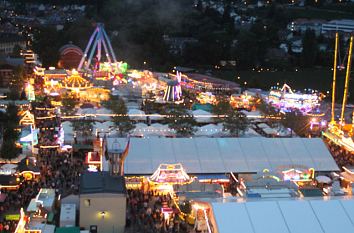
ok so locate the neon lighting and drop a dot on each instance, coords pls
(285, 100)
(170, 174)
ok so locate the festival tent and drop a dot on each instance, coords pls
(68, 131)
(270, 131)
(156, 117)
(103, 111)
(222, 155)
(295, 216)
(202, 116)
(210, 130)
(157, 129)
(139, 129)
(83, 111)
(249, 133)
(136, 114)
(107, 124)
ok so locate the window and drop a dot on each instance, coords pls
(87, 202)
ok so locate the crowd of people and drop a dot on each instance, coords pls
(47, 122)
(59, 171)
(144, 213)
(15, 199)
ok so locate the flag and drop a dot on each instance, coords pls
(126, 150)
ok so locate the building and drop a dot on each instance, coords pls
(343, 25)
(177, 45)
(302, 25)
(8, 41)
(67, 215)
(6, 75)
(102, 202)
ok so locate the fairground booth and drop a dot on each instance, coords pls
(13, 174)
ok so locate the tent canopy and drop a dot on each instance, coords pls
(222, 155)
(296, 216)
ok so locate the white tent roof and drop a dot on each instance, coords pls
(86, 111)
(202, 116)
(288, 216)
(103, 111)
(220, 155)
(250, 133)
(210, 129)
(136, 114)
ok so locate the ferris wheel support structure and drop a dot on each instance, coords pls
(97, 40)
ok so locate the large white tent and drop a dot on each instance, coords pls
(285, 216)
(222, 155)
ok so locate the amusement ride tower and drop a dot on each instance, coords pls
(97, 40)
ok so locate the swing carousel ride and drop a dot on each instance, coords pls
(339, 132)
(95, 67)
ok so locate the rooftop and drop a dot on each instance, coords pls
(101, 182)
(296, 216)
(224, 155)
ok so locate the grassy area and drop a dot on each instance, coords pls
(319, 79)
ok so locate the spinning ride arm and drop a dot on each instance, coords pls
(109, 45)
(334, 78)
(87, 49)
(346, 86)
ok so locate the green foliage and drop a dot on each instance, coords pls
(17, 83)
(9, 150)
(47, 43)
(310, 49)
(121, 120)
(180, 120)
(83, 127)
(9, 123)
(69, 103)
(16, 51)
(236, 123)
(297, 122)
(221, 108)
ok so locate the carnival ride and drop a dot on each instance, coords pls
(173, 91)
(286, 100)
(338, 132)
(243, 101)
(100, 70)
(206, 98)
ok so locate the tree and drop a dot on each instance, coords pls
(236, 123)
(16, 51)
(181, 121)
(121, 119)
(69, 103)
(221, 108)
(83, 126)
(267, 110)
(296, 122)
(310, 49)
(9, 150)
(10, 121)
(17, 83)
